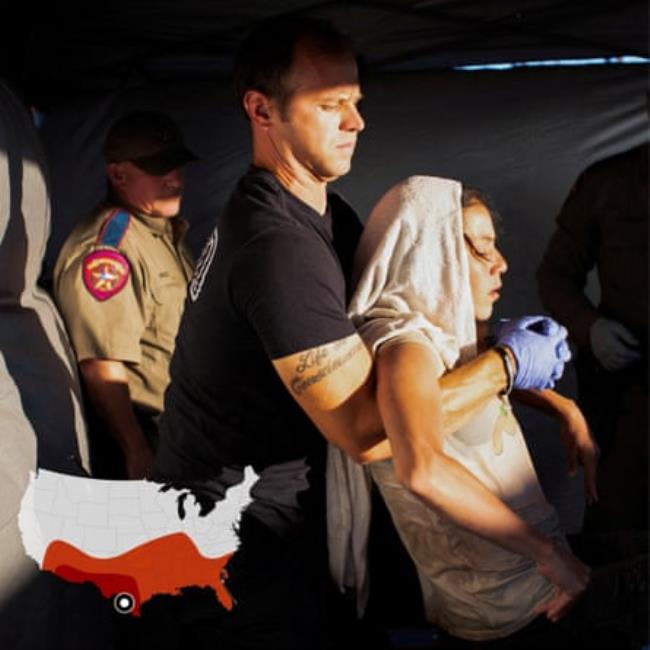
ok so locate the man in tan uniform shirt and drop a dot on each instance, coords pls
(120, 282)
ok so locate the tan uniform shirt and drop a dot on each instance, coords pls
(135, 323)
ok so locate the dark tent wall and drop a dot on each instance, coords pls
(522, 135)
(511, 133)
(61, 48)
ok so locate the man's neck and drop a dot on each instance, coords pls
(308, 190)
(115, 198)
(295, 179)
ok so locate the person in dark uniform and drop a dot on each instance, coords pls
(604, 225)
(120, 281)
(268, 366)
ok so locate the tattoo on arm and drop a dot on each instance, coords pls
(317, 363)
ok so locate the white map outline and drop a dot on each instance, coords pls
(108, 518)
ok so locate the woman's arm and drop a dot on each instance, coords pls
(463, 391)
(409, 401)
(574, 433)
(468, 388)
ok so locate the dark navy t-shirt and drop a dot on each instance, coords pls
(268, 284)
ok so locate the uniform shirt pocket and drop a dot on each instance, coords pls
(168, 290)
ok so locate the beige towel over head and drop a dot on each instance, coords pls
(412, 283)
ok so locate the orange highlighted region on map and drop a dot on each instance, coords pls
(161, 566)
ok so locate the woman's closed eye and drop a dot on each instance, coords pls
(483, 253)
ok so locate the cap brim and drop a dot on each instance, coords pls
(163, 162)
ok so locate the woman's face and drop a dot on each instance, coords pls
(486, 264)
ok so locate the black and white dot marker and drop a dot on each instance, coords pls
(123, 603)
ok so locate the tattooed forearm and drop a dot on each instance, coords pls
(324, 361)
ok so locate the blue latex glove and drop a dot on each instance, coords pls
(539, 346)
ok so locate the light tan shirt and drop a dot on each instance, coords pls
(471, 587)
(137, 324)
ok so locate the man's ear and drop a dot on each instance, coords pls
(258, 107)
(116, 174)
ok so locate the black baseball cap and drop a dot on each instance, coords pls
(150, 140)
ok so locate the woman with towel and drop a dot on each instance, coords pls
(428, 274)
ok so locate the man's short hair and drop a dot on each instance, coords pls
(264, 59)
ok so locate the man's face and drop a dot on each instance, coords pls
(318, 126)
(156, 196)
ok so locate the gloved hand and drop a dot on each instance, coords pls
(615, 347)
(540, 349)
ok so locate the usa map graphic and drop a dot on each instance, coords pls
(128, 538)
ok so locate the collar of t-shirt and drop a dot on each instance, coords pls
(322, 222)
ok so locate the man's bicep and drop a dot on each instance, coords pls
(334, 385)
(325, 377)
(99, 371)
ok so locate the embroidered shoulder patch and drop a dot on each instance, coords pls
(105, 273)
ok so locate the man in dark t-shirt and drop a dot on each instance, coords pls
(267, 365)
(273, 287)
(270, 285)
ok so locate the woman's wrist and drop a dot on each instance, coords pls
(564, 408)
(509, 366)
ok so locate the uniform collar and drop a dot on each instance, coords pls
(159, 225)
(173, 227)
